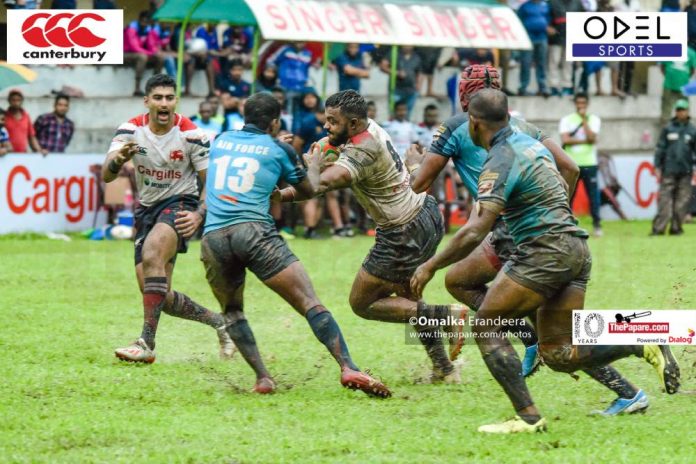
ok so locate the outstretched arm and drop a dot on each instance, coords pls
(464, 242)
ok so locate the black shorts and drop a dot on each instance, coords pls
(550, 263)
(165, 211)
(227, 253)
(429, 57)
(399, 250)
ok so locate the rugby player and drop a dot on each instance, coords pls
(549, 268)
(240, 234)
(409, 225)
(169, 153)
(466, 280)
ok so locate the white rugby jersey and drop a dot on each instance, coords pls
(165, 165)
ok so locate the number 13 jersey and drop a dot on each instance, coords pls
(381, 182)
(245, 166)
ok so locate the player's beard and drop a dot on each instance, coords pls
(338, 139)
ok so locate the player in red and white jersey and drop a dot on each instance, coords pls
(169, 153)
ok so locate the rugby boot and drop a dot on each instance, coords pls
(661, 358)
(356, 380)
(138, 351)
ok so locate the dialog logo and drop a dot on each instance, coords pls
(626, 36)
(65, 36)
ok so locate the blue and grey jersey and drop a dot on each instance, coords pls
(245, 166)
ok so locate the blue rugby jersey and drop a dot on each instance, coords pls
(244, 168)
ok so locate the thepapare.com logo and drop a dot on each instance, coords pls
(626, 37)
(65, 36)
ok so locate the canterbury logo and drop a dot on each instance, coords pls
(75, 35)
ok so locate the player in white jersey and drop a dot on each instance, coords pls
(169, 154)
(409, 225)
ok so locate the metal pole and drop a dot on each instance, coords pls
(180, 52)
(392, 76)
(325, 66)
(255, 57)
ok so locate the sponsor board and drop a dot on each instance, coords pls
(65, 36)
(626, 36)
(634, 327)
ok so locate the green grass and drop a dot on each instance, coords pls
(65, 398)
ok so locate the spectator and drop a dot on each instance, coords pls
(429, 57)
(293, 62)
(233, 119)
(626, 67)
(312, 130)
(104, 5)
(579, 133)
(691, 23)
(268, 80)
(351, 68)
(19, 126)
(5, 145)
(372, 110)
(63, 4)
(167, 40)
(408, 77)
(670, 6)
(429, 126)
(402, 131)
(309, 102)
(469, 56)
(535, 17)
(236, 45)
(54, 130)
(560, 70)
(285, 117)
(204, 60)
(233, 82)
(204, 121)
(141, 48)
(604, 6)
(674, 166)
(677, 74)
(214, 101)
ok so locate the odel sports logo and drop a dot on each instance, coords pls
(65, 36)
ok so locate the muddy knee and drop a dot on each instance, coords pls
(557, 357)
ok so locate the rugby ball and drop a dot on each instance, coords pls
(197, 45)
(121, 232)
(329, 153)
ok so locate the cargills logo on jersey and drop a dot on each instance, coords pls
(626, 36)
(65, 36)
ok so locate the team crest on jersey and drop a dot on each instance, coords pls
(176, 155)
(485, 186)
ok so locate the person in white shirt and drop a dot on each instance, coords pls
(401, 131)
(170, 155)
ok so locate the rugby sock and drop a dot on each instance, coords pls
(610, 378)
(524, 330)
(243, 337)
(600, 355)
(432, 311)
(154, 295)
(327, 331)
(432, 341)
(506, 368)
(185, 308)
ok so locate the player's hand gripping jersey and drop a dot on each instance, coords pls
(452, 140)
(165, 165)
(381, 182)
(245, 167)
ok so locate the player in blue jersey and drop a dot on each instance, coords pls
(245, 167)
(549, 268)
(466, 280)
